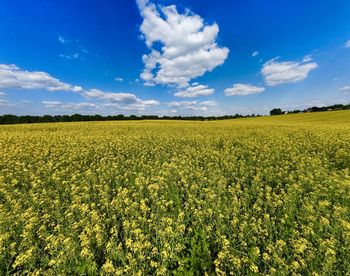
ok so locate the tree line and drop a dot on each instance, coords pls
(279, 111)
(13, 119)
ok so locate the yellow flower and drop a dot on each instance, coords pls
(108, 268)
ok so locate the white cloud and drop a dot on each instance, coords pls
(208, 103)
(2, 94)
(182, 103)
(13, 77)
(51, 103)
(62, 105)
(276, 73)
(3, 102)
(127, 99)
(347, 44)
(111, 97)
(88, 107)
(196, 108)
(188, 45)
(345, 89)
(192, 105)
(194, 91)
(240, 89)
(119, 79)
(255, 53)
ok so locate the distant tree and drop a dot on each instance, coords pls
(27, 119)
(76, 118)
(276, 111)
(47, 118)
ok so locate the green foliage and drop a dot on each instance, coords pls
(243, 197)
(276, 111)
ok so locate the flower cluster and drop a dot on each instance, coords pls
(253, 196)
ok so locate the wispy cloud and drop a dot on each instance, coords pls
(119, 79)
(79, 52)
(255, 53)
(189, 48)
(208, 103)
(69, 106)
(62, 39)
(347, 44)
(73, 56)
(277, 73)
(307, 58)
(240, 89)
(3, 102)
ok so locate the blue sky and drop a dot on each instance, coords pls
(179, 57)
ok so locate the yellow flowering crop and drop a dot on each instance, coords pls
(250, 196)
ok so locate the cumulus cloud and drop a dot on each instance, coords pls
(195, 90)
(345, 89)
(188, 45)
(255, 53)
(240, 89)
(13, 77)
(347, 44)
(192, 105)
(128, 99)
(276, 72)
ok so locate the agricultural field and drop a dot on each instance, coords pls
(251, 196)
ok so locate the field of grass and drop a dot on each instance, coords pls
(250, 196)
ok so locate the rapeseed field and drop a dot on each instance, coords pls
(250, 196)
